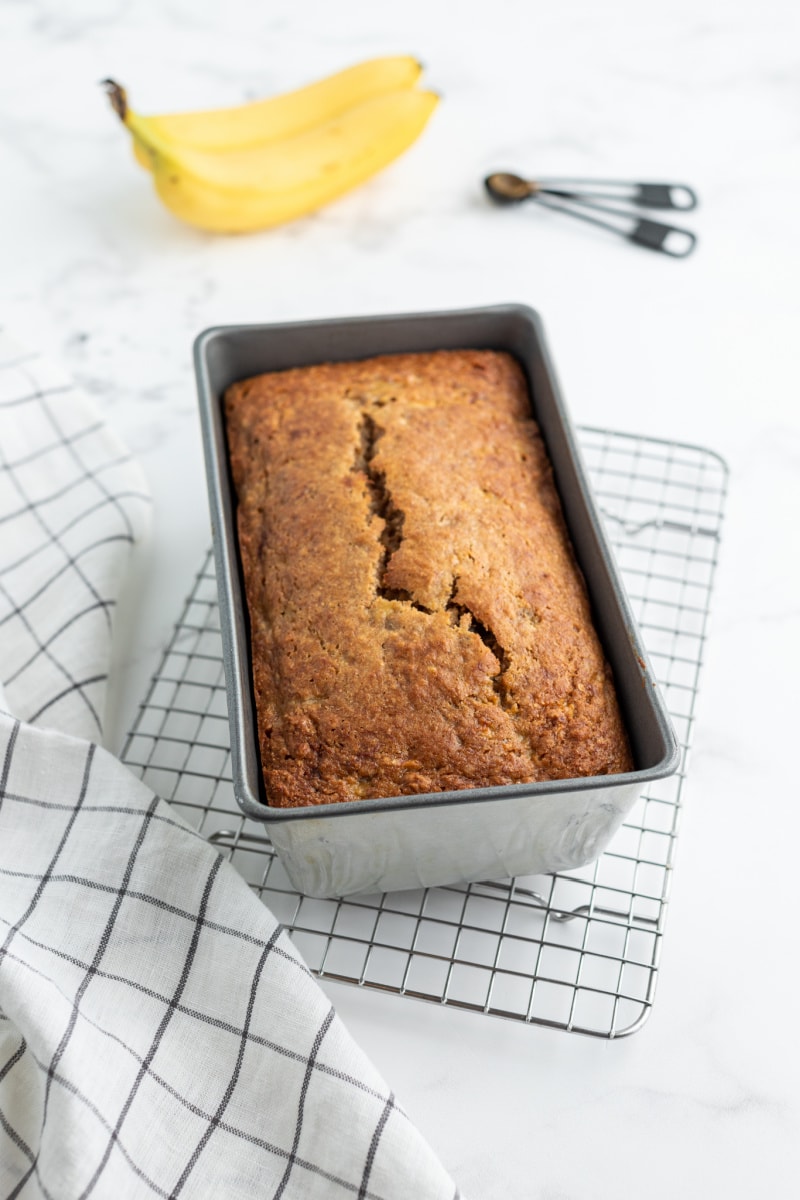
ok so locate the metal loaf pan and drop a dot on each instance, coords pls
(447, 837)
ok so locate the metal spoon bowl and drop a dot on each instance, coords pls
(507, 188)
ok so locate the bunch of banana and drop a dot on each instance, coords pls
(232, 170)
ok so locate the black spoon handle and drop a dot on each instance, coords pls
(653, 235)
(677, 196)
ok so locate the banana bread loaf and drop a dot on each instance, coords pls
(418, 622)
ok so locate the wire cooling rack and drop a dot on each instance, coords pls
(578, 950)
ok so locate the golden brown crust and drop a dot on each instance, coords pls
(418, 621)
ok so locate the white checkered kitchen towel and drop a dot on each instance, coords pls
(159, 1035)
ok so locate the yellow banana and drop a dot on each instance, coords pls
(264, 185)
(276, 117)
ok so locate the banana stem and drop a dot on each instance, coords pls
(118, 98)
(147, 143)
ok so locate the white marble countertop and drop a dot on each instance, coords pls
(704, 1100)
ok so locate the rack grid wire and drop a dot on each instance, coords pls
(579, 950)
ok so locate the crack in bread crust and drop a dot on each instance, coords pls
(465, 617)
(384, 509)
